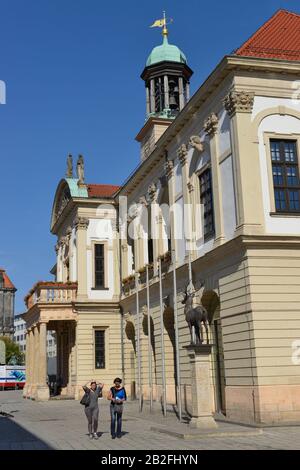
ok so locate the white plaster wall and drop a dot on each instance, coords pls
(179, 230)
(73, 261)
(262, 102)
(224, 132)
(229, 207)
(284, 125)
(100, 230)
(178, 177)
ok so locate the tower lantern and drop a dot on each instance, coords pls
(167, 78)
(167, 81)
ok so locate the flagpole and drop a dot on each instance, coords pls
(138, 340)
(162, 342)
(149, 340)
(178, 375)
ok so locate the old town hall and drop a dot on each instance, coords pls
(213, 209)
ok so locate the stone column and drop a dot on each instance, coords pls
(152, 96)
(35, 362)
(169, 169)
(27, 363)
(147, 101)
(31, 364)
(246, 166)
(211, 128)
(182, 153)
(201, 386)
(81, 225)
(187, 91)
(153, 195)
(166, 90)
(181, 94)
(42, 393)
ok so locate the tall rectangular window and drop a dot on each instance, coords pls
(100, 349)
(285, 171)
(206, 199)
(99, 266)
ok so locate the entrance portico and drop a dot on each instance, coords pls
(50, 307)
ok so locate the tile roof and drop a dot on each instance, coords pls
(102, 190)
(7, 282)
(278, 38)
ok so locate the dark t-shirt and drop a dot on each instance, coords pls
(118, 393)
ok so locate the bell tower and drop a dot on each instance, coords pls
(167, 81)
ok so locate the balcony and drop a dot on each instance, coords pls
(51, 293)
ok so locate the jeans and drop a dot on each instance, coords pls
(116, 418)
(92, 415)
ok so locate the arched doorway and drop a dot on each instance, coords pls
(210, 301)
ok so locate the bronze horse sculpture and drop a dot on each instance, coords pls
(195, 316)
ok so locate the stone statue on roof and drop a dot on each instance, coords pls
(80, 169)
(69, 173)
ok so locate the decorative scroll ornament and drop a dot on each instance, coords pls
(152, 192)
(145, 310)
(211, 125)
(182, 153)
(81, 223)
(195, 142)
(62, 203)
(190, 186)
(169, 168)
(238, 102)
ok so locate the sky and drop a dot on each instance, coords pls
(72, 73)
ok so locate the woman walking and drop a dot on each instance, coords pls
(117, 396)
(91, 409)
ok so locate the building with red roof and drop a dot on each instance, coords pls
(227, 161)
(7, 304)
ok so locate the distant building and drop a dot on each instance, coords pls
(7, 305)
(20, 339)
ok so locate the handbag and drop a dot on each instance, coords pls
(85, 400)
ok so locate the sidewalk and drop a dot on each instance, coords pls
(62, 425)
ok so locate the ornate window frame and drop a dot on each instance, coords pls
(105, 249)
(267, 137)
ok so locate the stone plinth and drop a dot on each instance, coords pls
(201, 387)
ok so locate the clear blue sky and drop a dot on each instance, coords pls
(72, 70)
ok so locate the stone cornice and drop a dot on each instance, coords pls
(238, 102)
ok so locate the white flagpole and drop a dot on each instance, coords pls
(149, 341)
(178, 375)
(162, 342)
(138, 340)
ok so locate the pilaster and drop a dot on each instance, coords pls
(211, 126)
(247, 177)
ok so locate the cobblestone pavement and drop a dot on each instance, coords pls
(62, 425)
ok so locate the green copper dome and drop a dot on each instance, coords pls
(166, 52)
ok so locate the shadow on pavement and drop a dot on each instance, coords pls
(15, 437)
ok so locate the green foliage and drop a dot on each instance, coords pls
(13, 354)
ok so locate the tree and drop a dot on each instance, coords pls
(14, 355)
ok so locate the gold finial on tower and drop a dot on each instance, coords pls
(162, 23)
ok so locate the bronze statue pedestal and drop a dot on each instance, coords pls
(201, 387)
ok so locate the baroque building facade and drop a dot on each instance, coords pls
(214, 206)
